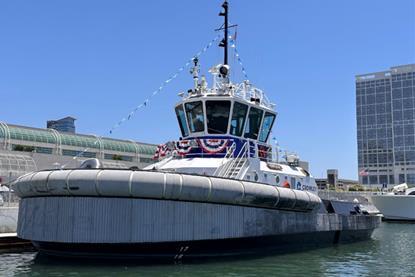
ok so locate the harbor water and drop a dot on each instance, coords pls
(389, 253)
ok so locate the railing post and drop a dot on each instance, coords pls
(9, 187)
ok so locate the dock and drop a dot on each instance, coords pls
(10, 241)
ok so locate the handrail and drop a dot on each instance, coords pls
(223, 167)
(238, 176)
(229, 153)
(245, 161)
(236, 160)
(164, 161)
(226, 167)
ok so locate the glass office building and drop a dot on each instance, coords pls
(23, 149)
(66, 124)
(385, 105)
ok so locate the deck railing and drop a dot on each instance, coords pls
(8, 199)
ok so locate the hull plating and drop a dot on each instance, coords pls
(82, 226)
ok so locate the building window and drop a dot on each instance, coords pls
(410, 179)
(74, 153)
(383, 179)
(116, 157)
(401, 178)
(23, 148)
(146, 160)
(373, 180)
(43, 150)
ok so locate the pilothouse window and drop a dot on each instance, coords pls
(254, 121)
(266, 126)
(217, 116)
(182, 120)
(238, 118)
(194, 113)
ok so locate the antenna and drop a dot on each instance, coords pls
(195, 71)
(224, 42)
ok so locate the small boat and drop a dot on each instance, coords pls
(398, 204)
(214, 192)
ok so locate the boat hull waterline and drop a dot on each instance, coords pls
(87, 212)
(194, 250)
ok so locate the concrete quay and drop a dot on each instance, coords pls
(10, 241)
(8, 218)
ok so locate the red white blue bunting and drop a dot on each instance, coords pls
(162, 151)
(213, 146)
(183, 147)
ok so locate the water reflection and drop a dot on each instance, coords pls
(389, 253)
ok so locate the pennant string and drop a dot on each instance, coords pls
(162, 86)
(171, 78)
(238, 57)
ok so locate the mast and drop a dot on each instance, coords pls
(224, 42)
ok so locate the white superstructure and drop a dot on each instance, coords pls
(225, 133)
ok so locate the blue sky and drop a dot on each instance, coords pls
(97, 60)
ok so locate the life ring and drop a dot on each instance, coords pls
(286, 184)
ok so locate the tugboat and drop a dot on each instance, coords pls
(218, 193)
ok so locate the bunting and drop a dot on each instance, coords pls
(163, 85)
(238, 57)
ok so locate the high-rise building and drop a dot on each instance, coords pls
(66, 124)
(332, 176)
(385, 108)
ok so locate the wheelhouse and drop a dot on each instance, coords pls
(224, 116)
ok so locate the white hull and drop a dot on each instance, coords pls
(395, 207)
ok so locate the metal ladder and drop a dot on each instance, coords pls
(229, 154)
(234, 167)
